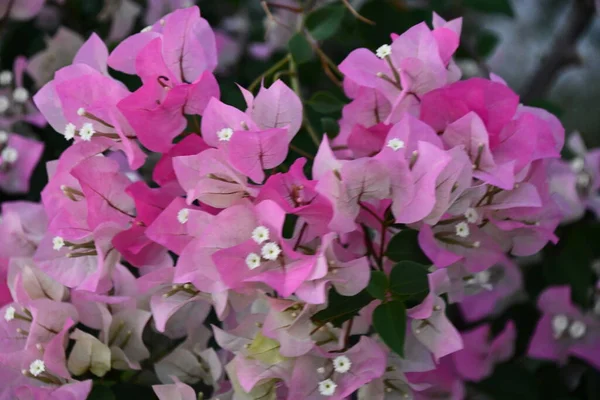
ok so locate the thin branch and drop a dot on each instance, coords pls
(301, 152)
(279, 64)
(4, 18)
(562, 51)
(356, 13)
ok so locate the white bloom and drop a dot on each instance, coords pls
(3, 137)
(270, 251)
(4, 104)
(183, 215)
(321, 370)
(253, 260)
(147, 29)
(341, 364)
(37, 367)
(225, 134)
(384, 51)
(471, 215)
(327, 387)
(58, 243)
(81, 111)
(70, 131)
(9, 314)
(577, 164)
(260, 234)
(9, 155)
(577, 330)
(583, 179)
(20, 95)
(560, 323)
(6, 77)
(87, 131)
(395, 144)
(462, 229)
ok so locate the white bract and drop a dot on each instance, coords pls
(37, 367)
(9, 314)
(253, 261)
(384, 51)
(462, 229)
(327, 387)
(9, 155)
(270, 251)
(87, 131)
(225, 134)
(58, 243)
(341, 364)
(260, 234)
(20, 95)
(70, 131)
(471, 215)
(395, 144)
(183, 215)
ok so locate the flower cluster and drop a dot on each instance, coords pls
(235, 227)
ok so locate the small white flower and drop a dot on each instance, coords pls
(3, 137)
(384, 51)
(583, 179)
(260, 234)
(471, 215)
(9, 314)
(87, 131)
(560, 323)
(577, 164)
(395, 144)
(58, 243)
(270, 251)
(253, 260)
(9, 155)
(327, 387)
(70, 131)
(147, 29)
(6, 77)
(225, 134)
(577, 330)
(341, 364)
(37, 367)
(462, 229)
(81, 111)
(20, 95)
(4, 104)
(162, 21)
(183, 215)
(321, 370)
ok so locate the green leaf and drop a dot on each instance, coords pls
(101, 392)
(378, 285)
(491, 6)
(325, 21)
(330, 127)
(404, 246)
(389, 320)
(341, 308)
(300, 49)
(408, 280)
(325, 103)
(486, 43)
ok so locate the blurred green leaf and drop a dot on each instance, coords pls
(342, 308)
(325, 103)
(300, 49)
(486, 43)
(101, 392)
(491, 6)
(408, 280)
(404, 246)
(510, 382)
(330, 127)
(325, 21)
(378, 285)
(389, 321)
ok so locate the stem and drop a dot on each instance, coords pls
(279, 64)
(296, 10)
(295, 82)
(356, 14)
(301, 152)
(299, 240)
(562, 51)
(369, 245)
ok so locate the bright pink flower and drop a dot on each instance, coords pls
(18, 158)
